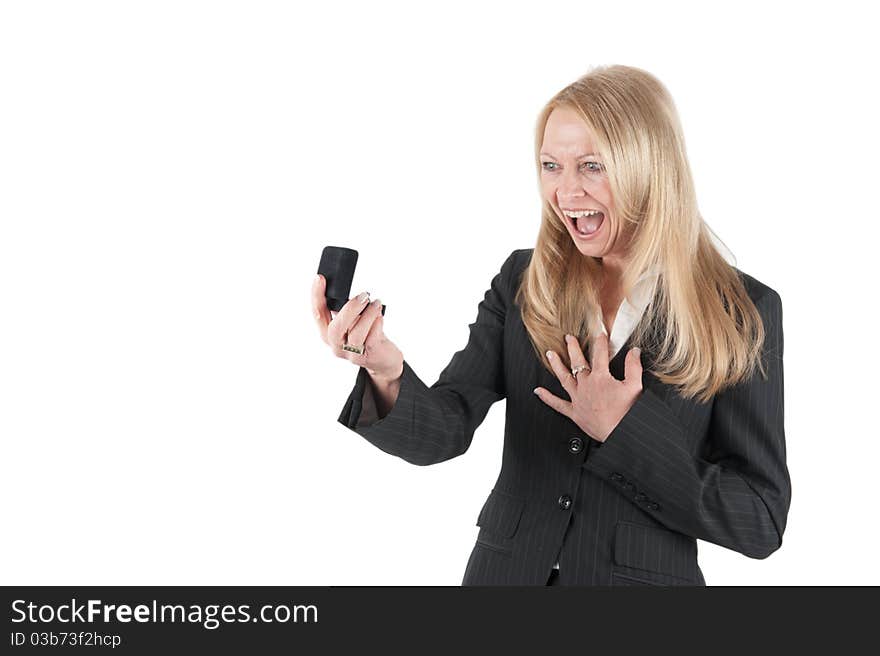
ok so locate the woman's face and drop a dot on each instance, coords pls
(573, 177)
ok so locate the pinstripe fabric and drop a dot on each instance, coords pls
(627, 317)
(626, 512)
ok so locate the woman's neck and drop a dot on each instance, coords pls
(612, 274)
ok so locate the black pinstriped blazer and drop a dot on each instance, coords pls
(624, 512)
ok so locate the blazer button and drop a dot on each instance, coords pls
(629, 486)
(641, 496)
(654, 505)
(617, 478)
(565, 502)
(575, 445)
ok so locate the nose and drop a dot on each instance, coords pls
(570, 187)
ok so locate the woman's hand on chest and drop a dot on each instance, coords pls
(598, 400)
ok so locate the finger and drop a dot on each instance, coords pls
(560, 405)
(575, 354)
(599, 353)
(345, 319)
(357, 335)
(562, 373)
(632, 367)
(320, 311)
(377, 332)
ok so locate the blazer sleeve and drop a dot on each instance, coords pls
(739, 497)
(428, 425)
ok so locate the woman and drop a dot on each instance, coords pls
(643, 372)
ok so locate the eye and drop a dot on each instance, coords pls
(594, 167)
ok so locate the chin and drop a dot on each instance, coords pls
(590, 251)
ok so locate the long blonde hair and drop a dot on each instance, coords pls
(706, 332)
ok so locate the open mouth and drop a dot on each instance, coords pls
(586, 225)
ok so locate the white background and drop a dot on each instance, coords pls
(170, 171)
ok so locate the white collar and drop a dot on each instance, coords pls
(633, 307)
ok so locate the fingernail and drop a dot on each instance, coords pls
(550, 354)
(363, 297)
(638, 351)
(536, 390)
(376, 302)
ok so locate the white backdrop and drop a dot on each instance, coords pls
(170, 171)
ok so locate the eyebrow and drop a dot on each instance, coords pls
(580, 157)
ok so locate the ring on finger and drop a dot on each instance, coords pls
(576, 370)
(354, 349)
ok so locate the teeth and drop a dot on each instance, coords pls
(575, 215)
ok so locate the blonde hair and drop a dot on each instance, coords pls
(706, 332)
